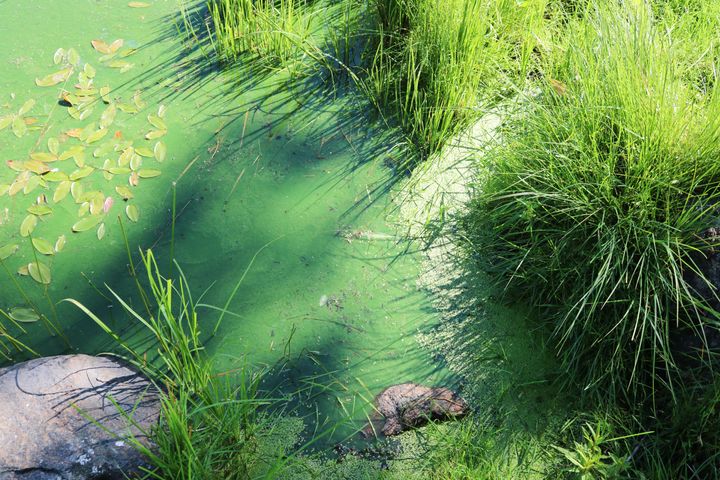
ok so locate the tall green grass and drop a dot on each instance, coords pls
(272, 31)
(436, 65)
(596, 200)
(211, 425)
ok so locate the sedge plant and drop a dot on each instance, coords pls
(594, 204)
(210, 424)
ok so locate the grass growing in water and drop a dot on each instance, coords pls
(211, 426)
(436, 64)
(597, 199)
(271, 30)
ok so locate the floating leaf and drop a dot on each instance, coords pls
(124, 192)
(153, 134)
(134, 179)
(115, 45)
(108, 116)
(54, 78)
(132, 213)
(160, 151)
(144, 151)
(139, 102)
(18, 127)
(32, 183)
(43, 157)
(126, 156)
(97, 135)
(107, 204)
(126, 52)
(81, 173)
(89, 71)
(6, 121)
(127, 108)
(26, 107)
(55, 176)
(39, 210)
(76, 190)
(104, 93)
(23, 270)
(135, 162)
(101, 231)
(8, 250)
(39, 272)
(100, 46)
(23, 315)
(86, 223)
(53, 145)
(73, 57)
(119, 170)
(157, 122)
(161, 111)
(28, 225)
(58, 56)
(60, 243)
(43, 246)
(148, 173)
(61, 191)
(138, 5)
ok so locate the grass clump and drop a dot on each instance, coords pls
(211, 425)
(596, 201)
(271, 30)
(435, 63)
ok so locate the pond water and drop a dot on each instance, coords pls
(260, 167)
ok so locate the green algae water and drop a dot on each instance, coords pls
(111, 123)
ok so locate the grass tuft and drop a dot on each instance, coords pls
(597, 199)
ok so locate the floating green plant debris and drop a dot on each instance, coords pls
(66, 165)
(24, 315)
(138, 5)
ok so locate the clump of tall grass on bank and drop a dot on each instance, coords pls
(435, 63)
(596, 201)
(273, 31)
(210, 425)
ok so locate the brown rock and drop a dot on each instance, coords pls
(44, 435)
(409, 405)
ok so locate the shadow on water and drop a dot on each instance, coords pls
(308, 161)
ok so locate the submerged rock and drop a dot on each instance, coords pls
(409, 405)
(46, 431)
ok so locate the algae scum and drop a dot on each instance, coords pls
(105, 128)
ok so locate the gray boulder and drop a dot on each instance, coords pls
(45, 431)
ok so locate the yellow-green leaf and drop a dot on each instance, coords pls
(28, 225)
(160, 151)
(153, 134)
(132, 213)
(43, 246)
(39, 272)
(60, 243)
(39, 210)
(24, 315)
(86, 223)
(61, 191)
(101, 231)
(148, 173)
(7, 250)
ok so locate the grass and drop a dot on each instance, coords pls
(211, 424)
(273, 32)
(437, 64)
(597, 199)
